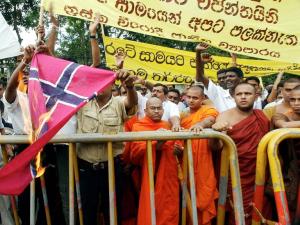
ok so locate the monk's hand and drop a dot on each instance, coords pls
(178, 149)
(197, 129)
(221, 126)
(176, 128)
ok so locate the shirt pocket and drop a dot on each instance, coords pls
(89, 122)
(111, 124)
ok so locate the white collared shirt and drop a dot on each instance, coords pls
(222, 98)
(170, 110)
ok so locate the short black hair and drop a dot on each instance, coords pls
(3, 82)
(165, 88)
(221, 71)
(174, 90)
(253, 78)
(243, 83)
(291, 80)
(236, 70)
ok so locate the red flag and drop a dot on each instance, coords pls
(57, 90)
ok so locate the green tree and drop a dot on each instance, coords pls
(20, 13)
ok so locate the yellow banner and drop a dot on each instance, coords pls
(268, 29)
(168, 65)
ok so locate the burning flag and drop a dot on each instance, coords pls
(57, 90)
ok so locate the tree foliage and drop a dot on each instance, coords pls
(20, 13)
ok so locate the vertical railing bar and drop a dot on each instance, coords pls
(71, 184)
(192, 181)
(151, 181)
(111, 183)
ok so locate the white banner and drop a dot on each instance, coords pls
(9, 46)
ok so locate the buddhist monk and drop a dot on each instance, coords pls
(246, 126)
(164, 167)
(198, 117)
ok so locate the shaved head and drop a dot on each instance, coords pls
(197, 88)
(154, 109)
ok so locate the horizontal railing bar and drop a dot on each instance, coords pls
(119, 137)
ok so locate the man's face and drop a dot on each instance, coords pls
(173, 97)
(158, 92)
(154, 109)
(286, 90)
(244, 97)
(123, 91)
(105, 93)
(143, 90)
(232, 79)
(254, 84)
(194, 98)
(222, 80)
(295, 101)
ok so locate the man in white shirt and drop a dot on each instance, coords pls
(222, 98)
(171, 111)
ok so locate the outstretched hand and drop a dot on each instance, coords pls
(202, 47)
(119, 59)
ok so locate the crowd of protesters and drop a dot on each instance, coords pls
(241, 107)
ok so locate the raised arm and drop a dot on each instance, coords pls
(201, 59)
(127, 80)
(94, 42)
(273, 94)
(53, 34)
(233, 59)
(119, 59)
(12, 85)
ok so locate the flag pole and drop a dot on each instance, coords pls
(12, 198)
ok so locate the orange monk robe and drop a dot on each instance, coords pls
(166, 179)
(205, 181)
(246, 135)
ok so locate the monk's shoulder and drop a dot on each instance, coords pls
(226, 114)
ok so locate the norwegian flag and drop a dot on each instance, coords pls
(57, 90)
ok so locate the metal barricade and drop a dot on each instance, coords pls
(268, 150)
(229, 161)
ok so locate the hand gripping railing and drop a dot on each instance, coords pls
(229, 160)
(269, 147)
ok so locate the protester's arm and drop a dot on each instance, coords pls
(175, 122)
(131, 99)
(273, 94)
(201, 59)
(119, 59)
(281, 121)
(206, 123)
(11, 89)
(233, 59)
(53, 34)
(221, 125)
(94, 42)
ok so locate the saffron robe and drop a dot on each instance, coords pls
(205, 181)
(165, 173)
(246, 135)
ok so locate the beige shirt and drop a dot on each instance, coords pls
(93, 119)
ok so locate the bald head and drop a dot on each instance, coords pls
(154, 109)
(194, 97)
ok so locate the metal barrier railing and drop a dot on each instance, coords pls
(229, 160)
(268, 150)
